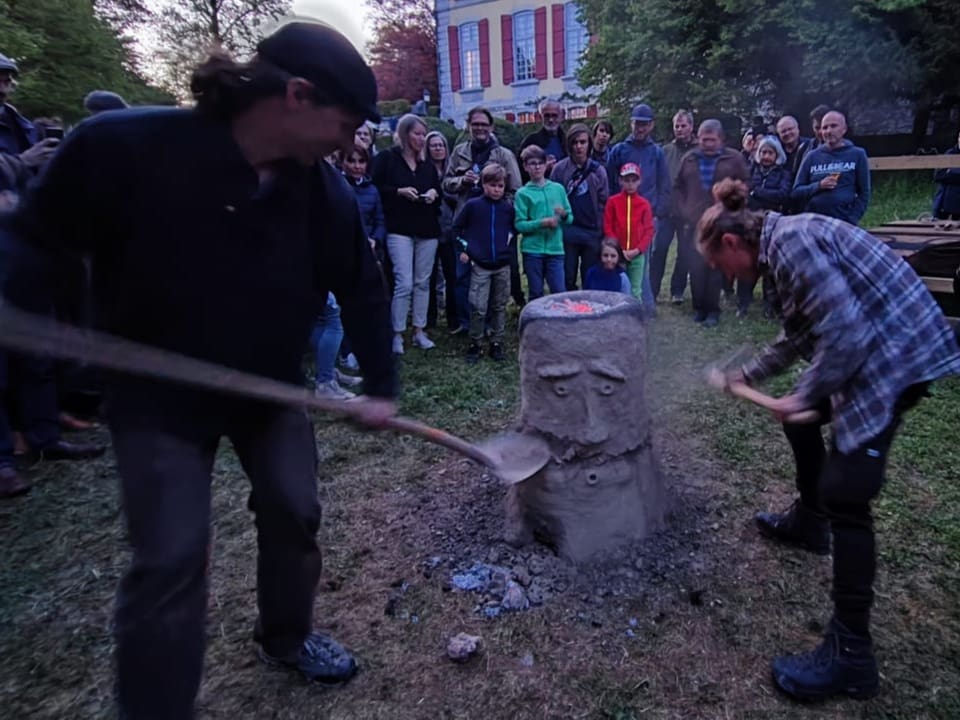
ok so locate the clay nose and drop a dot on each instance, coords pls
(596, 430)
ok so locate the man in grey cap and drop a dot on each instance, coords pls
(229, 261)
(655, 180)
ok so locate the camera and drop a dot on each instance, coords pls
(51, 131)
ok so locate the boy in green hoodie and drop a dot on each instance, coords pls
(541, 206)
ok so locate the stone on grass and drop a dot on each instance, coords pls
(461, 647)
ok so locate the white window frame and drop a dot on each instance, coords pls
(575, 39)
(470, 56)
(524, 48)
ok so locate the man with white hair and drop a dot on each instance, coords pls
(550, 136)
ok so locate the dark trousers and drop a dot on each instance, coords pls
(705, 285)
(162, 598)
(516, 286)
(666, 228)
(841, 486)
(462, 292)
(446, 263)
(581, 250)
(28, 402)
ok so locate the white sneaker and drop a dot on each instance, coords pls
(348, 380)
(350, 362)
(421, 340)
(332, 391)
(398, 345)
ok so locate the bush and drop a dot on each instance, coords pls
(393, 108)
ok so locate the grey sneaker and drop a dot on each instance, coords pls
(332, 391)
(347, 380)
(321, 658)
(421, 340)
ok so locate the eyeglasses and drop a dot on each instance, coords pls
(480, 125)
(551, 115)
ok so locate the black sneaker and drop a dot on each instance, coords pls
(496, 352)
(843, 664)
(321, 658)
(799, 526)
(473, 353)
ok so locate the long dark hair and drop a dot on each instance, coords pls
(224, 88)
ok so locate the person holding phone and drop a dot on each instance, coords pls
(18, 136)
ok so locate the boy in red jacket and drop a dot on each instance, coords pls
(629, 220)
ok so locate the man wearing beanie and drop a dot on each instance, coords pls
(217, 232)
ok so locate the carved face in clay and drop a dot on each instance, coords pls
(582, 378)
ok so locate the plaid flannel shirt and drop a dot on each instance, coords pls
(858, 313)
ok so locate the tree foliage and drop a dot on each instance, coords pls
(65, 50)
(735, 56)
(403, 53)
(189, 29)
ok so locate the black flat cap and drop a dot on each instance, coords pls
(318, 53)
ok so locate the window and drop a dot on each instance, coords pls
(470, 56)
(576, 38)
(524, 47)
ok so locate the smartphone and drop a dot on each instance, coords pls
(53, 132)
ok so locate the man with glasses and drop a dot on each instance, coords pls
(462, 179)
(550, 136)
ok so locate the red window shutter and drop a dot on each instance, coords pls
(540, 38)
(484, 31)
(559, 44)
(506, 40)
(453, 39)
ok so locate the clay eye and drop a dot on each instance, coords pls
(607, 389)
(561, 390)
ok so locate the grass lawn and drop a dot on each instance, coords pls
(394, 504)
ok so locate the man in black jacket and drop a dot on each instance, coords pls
(550, 136)
(217, 233)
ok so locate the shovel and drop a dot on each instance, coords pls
(513, 457)
(716, 377)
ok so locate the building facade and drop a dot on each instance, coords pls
(507, 55)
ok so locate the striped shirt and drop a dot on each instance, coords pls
(858, 313)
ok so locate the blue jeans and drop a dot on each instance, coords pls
(325, 340)
(538, 267)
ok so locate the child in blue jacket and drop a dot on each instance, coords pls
(484, 229)
(355, 166)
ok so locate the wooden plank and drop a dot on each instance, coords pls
(915, 162)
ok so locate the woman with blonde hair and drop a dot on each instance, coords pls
(875, 340)
(409, 187)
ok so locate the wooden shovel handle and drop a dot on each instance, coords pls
(746, 392)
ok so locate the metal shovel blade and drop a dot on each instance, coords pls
(516, 457)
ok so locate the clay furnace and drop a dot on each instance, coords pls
(582, 368)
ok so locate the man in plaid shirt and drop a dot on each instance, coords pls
(875, 339)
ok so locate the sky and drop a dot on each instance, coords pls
(347, 16)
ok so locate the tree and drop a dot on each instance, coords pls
(403, 53)
(736, 56)
(64, 51)
(189, 29)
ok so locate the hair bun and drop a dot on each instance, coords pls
(731, 193)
